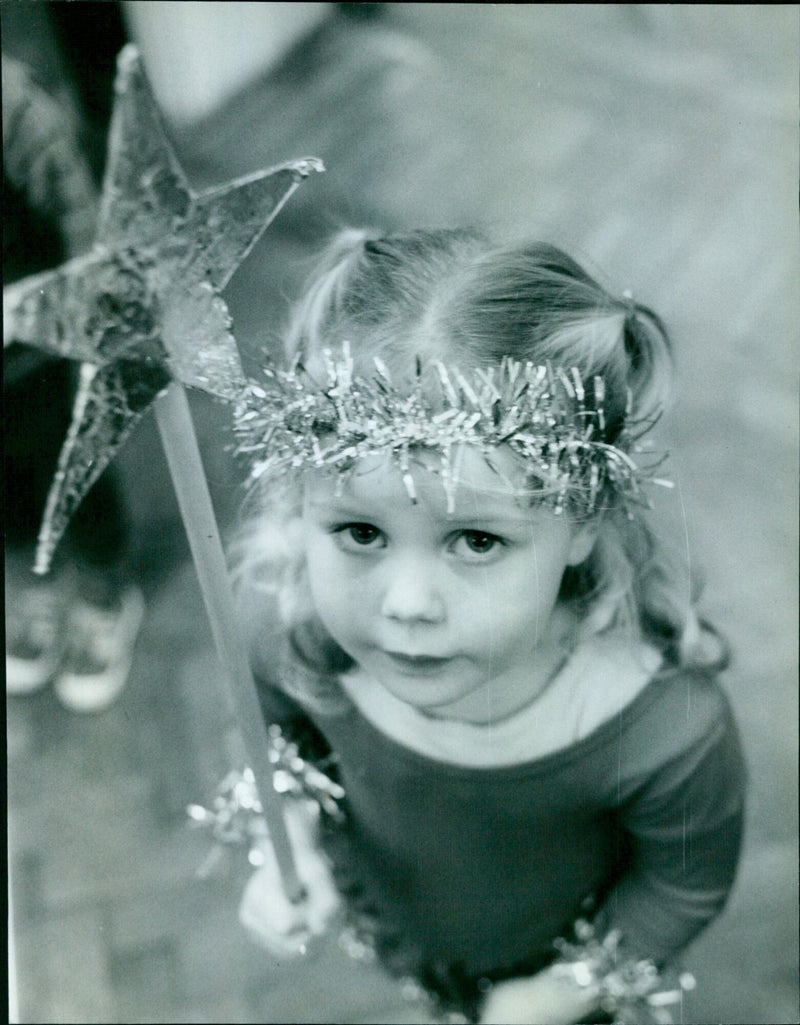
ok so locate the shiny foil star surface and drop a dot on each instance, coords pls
(142, 308)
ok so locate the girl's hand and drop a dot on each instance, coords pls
(545, 999)
(269, 917)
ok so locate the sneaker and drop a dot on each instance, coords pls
(99, 652)
(34, 637)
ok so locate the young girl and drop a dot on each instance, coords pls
(459, 615)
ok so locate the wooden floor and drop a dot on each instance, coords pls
(658, 144)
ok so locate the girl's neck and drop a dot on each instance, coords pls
(501, 703)
(597, 681)
(506, 696)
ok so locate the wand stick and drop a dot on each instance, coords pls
(189, 480)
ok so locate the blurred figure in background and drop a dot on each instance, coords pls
(58, 72)
(244, 86)
(77, 627)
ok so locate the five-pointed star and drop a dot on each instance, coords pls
(143, 306)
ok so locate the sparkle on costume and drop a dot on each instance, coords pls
(630, 989)
(290, 423)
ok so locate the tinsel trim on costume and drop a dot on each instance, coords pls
(632, 990)
(235, 816)
(291, 423)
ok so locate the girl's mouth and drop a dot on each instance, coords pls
(416, 663)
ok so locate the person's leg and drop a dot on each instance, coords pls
(35, 411)
(78, 625)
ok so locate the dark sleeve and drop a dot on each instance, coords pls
(276, 706)
(681, 810)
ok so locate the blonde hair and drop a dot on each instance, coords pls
(455, 296)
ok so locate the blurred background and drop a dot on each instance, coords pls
(658, 145)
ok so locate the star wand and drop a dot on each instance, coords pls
(143, 314)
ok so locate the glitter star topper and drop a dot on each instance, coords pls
(143, 307)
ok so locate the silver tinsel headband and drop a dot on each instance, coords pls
(291, 423)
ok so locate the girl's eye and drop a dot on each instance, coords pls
(475, 543)
(358, 535)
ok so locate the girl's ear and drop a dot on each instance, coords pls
(582, 543)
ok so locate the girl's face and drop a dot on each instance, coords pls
(454, 613)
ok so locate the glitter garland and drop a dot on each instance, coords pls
(291, 423)
(235, 817)
(632, 990)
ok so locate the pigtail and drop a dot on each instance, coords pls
(634, 585)
(649, 361)
(381, 294)
(632, 581)
(326, 295)
(662, 587)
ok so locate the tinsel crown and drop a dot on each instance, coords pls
(290, 423)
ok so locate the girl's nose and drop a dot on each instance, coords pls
(411, 595)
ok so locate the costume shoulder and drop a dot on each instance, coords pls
(682, 745)
(682, 709)
(679, 789)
